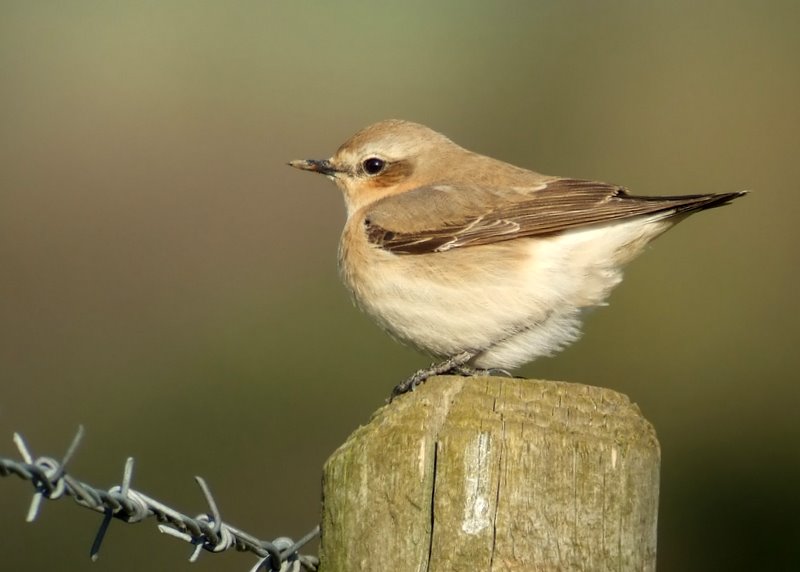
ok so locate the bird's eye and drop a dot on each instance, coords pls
(373, 165)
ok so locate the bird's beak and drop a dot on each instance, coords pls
(323, 166)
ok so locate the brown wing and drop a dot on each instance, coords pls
(436, 219)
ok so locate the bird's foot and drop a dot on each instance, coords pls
(467, 371)
(454, 364)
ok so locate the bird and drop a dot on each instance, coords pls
(483, 265)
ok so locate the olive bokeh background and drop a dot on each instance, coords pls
(167, 281)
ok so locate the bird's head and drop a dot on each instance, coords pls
(387, 158)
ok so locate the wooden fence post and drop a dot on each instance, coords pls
(468, 474)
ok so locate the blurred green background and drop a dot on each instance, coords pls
(166, 280)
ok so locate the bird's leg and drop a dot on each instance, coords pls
(468, 371)
(453, 364)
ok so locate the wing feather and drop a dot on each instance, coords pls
(440, 218)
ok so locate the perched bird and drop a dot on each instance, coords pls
(475, 261)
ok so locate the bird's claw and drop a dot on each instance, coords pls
(453, 365)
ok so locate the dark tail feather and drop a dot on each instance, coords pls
(704, 202)
(687, 204)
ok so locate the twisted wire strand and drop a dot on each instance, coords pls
(206, 531)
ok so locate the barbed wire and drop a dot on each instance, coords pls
(206, 531)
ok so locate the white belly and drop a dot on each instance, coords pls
(508, 303)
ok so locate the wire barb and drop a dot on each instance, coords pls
(206, 531)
